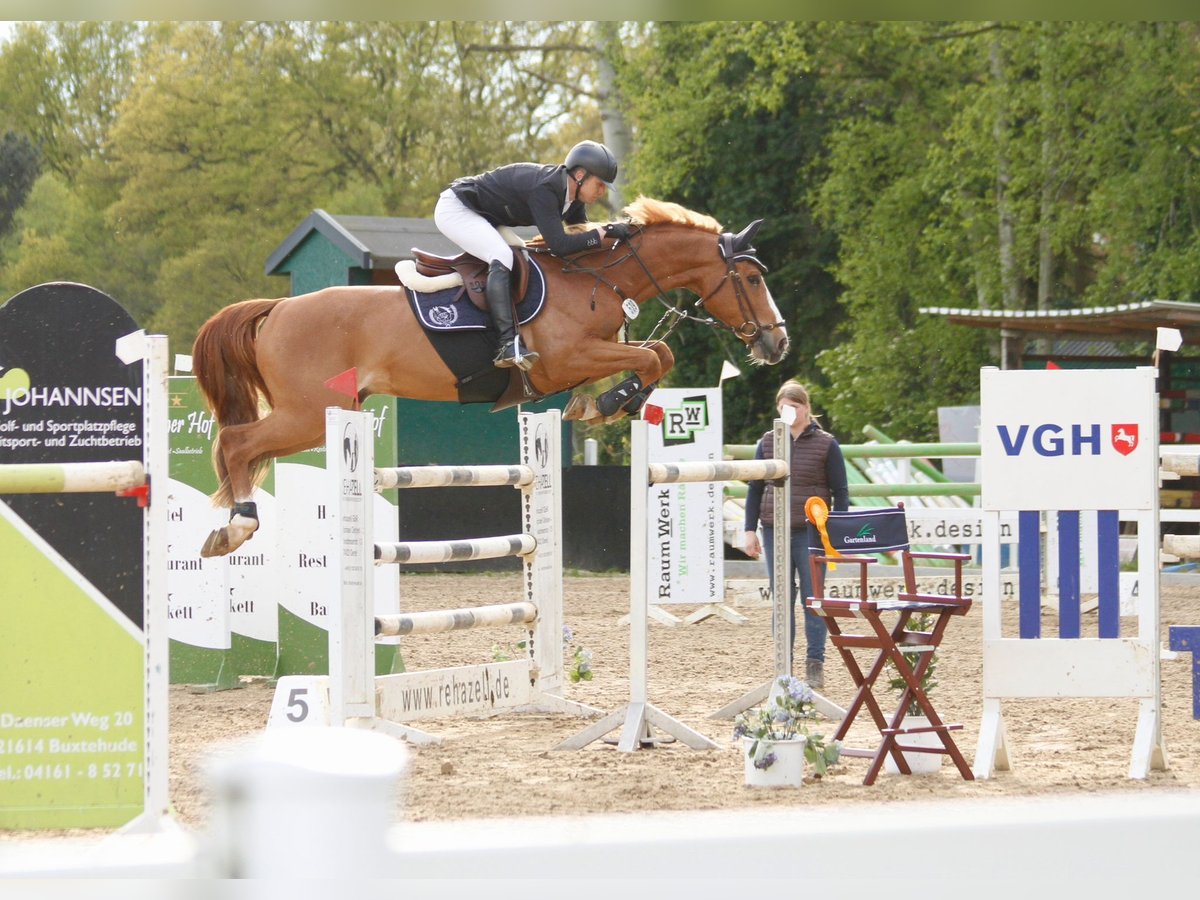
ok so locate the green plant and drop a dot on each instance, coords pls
(919, 622)
(581, 657)
(786, 716)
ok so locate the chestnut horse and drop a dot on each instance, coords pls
(284, 351)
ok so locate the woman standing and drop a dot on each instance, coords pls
(818, 469)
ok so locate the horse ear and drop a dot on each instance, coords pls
(744, 238)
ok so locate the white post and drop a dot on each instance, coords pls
(541, 508)
(639, 517)
(155, 459)
(350, 459)
(781, 583)
(305, 803)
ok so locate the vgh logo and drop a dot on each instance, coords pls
(1066, 440)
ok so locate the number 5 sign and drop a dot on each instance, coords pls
(300, 700)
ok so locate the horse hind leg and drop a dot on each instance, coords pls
(246, 450)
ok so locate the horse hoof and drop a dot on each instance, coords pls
(223, 541)
(580, 406)
(217, 544)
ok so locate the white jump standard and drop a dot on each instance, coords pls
(533, 683)
(637, 716)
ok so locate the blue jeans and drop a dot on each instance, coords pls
(815, 630)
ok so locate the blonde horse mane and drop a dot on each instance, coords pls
(648, 211)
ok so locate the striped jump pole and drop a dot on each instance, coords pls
(452, 476)
(424, 552)
(388, 702)
(439, 621)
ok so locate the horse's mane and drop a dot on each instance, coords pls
(648, 211)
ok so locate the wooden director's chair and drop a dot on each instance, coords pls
(851, 535)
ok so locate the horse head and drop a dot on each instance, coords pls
(742, 300)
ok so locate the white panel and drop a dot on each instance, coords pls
(445, 692)
(1083, 667)
(1062, 439)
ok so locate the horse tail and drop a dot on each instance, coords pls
(224, 361)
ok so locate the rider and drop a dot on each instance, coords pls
(525, 193)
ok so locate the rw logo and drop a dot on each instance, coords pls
(679, 426)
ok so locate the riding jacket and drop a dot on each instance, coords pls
(818, 469)
(528, 194)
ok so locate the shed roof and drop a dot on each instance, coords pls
(1126, 321)
(372, 242)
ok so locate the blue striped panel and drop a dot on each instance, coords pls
(1029, 574)
(1109, 576)
(1068, 574)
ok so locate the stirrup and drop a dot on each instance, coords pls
(510, 355)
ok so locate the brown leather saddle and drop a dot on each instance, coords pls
(473, 272)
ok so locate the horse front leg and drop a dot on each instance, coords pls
(648, 362)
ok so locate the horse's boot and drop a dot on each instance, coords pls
(634, 404)
(500, 305)
(615, 398)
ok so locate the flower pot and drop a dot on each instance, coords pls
(919, 763)
(786, 771)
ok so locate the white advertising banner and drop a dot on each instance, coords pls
(686, 552)
(1068, 439)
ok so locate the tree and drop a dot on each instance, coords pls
(19, 165)
(731, 122)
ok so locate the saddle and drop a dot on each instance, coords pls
(473, 272)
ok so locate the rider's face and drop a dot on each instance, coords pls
(591, 190)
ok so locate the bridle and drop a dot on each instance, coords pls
(750, 328)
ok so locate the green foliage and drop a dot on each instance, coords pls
(897, 165)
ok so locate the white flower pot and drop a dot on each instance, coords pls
(786, 771)
(919, 763)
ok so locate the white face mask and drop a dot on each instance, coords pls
(788, 414)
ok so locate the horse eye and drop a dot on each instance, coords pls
(755, 280)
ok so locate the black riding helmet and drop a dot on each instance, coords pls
(595, 159)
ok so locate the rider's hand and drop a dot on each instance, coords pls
(620, 231)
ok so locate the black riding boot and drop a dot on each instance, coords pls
(499, 300)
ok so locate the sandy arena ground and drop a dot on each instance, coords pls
(505, 766)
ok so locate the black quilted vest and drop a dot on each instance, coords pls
(809, 452)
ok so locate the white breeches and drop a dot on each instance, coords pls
(470, 231)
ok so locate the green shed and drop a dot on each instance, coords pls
(327, 250)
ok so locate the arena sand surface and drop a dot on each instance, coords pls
(506, 765)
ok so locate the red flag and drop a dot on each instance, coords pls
(345, 383)
(652, 414)
(1051, 364)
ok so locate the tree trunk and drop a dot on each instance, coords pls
(612, 120)
(1006, 223)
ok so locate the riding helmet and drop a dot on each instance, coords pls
(595, 159)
